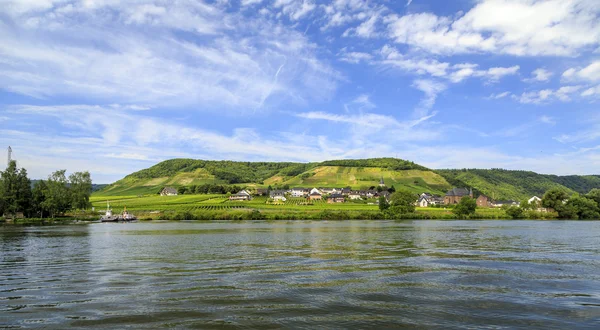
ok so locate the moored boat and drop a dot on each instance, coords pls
(108, 216)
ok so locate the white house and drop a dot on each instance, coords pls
(278, 195)
(423, 201)
(241, 196)
(299, 192)
(168, 191)
(315, 191)
(354, 195)
(535, 200)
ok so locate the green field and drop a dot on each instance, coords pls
(154, 207)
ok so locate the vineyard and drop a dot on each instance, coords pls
(199, 203)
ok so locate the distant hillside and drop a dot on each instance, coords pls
(579, 183)
(505, 184)
(356, 173)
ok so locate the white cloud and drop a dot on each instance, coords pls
(492, 74)
(431, 89)
(366, 29)
(499, 96)
(589, 73)
(295, 9)
(592, 91)
(354, 57)
(243, 64)
(564, 94)
(516, 27)
(540, 74)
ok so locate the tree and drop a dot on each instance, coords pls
(181, 190)
(515, 212)
(554, 198)
(525, 205)
(57, 195)
(401, 202)
(383, 203)
(594, 195)
(392, 190)
(581, 208)
(81, 190)
(15, 193)
(466, 207)
(38, 198)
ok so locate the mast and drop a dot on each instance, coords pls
(9, 156)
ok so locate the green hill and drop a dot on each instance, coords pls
(356, 173)
(359, 173)
(505, 184)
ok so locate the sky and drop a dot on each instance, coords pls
(113, 86)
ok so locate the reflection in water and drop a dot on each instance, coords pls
(302, 274)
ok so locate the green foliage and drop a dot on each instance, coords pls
(502, 184)
(228, 171)
(555, 198)
(388, 163)
(57, 196)
(15, 190)
(383, 204)
(580, 207)
(594, 195)
(515, 212)
(38, 198)
(466, 207)
(401, 202)
(80, 184)
(578, 183)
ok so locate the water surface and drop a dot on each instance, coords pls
(351, 274)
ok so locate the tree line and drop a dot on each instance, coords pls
(566, 206)
(52, 197)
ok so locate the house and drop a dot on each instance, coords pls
(168, 191)
(503, 203)
(456, 194)
(278, 195)
(423, 201)
(385, 194)
(241, 196)
(299, 192)
(329, 191)
(315, 191)
(354, 195)
(335, 198)
(436, 200)
(535, 200)
(346, 191)
(483, 201)
(262, 192)
(371, 193)
(315, 196)
(381, 182)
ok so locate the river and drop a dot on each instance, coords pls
(302, 274)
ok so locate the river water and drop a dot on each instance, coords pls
(346, 274)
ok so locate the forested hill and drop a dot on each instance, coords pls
(508, 184)
(356, 173)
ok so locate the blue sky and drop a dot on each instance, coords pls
(112, 86)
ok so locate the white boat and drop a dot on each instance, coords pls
(108, 216)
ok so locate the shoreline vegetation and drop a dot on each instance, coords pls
(385, 190)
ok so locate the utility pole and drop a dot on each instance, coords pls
(9, 156)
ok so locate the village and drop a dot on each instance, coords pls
(343, 195)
